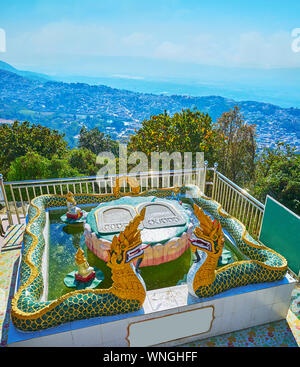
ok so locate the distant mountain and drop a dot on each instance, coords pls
(68, 106)
(27, 74)
(269, 90)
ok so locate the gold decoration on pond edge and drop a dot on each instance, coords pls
(133, 184)
(83, 268)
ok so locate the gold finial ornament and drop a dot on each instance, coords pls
(133, 183)
(176, 190)
(116, 188)
(84, 271)
(70, 198)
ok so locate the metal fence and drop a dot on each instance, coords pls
(235, 200)
(18, 194)
(238, 203)
(1, 228)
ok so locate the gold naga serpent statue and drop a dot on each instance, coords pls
(128, 291)
(203, 279)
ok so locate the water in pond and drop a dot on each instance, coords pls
(64, 241)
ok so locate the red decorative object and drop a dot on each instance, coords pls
(80, 278)
(74, 216)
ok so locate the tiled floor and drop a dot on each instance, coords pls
(276, 334)
(9, 261)
(284, 333)
(5, 224)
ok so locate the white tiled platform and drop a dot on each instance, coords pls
(233, 310)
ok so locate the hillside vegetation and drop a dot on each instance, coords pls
(67, 107)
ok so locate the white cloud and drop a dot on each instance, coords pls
(170, 50)
(250, 49)
(67, 39)
(254, 49)
(123, 76)
(137, 39)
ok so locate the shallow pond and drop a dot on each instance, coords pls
(64, 241)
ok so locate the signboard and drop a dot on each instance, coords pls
(170, 327)
(280, 230)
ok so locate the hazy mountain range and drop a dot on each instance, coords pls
(64, 106)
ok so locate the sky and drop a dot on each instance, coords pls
(101, 37)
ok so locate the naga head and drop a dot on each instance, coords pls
(209, 236)
(127, 246)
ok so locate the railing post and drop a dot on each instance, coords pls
(15, 203)
(203, 183)
(5, 200)
(1, 228)
(214, 180)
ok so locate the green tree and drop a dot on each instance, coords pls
(187, 131)
(30, 166)
(83, 160)
(61, 167)
(19, 138)
(96, 141)
(33, 166)
(278, 175)
(235, 152)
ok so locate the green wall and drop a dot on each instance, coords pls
(281, 232)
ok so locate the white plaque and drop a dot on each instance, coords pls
(160, 214)
(114, 219)
(170, 327)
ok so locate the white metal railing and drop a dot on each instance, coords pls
(18, 194)
(238, 203)
(1, 228)
(235, 201)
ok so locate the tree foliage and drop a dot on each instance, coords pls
(36, 152)
(187, 131)
(30, 166)
(83, 160)
(278, 174)
(33, 166)
(236, 149)
(20, 138)
(96, 141)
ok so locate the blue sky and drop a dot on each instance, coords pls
(92, 36)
